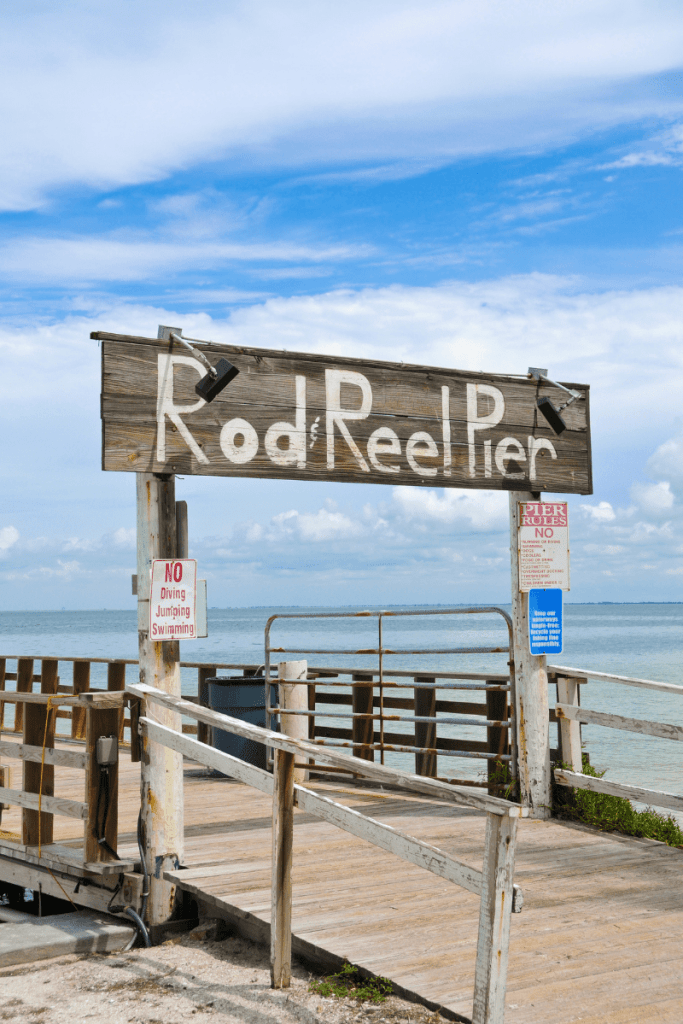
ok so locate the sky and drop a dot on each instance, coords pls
(471, 184)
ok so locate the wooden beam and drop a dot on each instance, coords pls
(101, 787)
(29, 752)
(569, 730)
(81, 684)
(497, 737)
(294, 696)
(50, 804)
(39, 776)
(204, 672)
(161, 769)
(281, 885)
(660, 729)
(490, 973)
(644, 684)
(24, 685)
(393, 776)
(425, 732)
(657, 797)
(3, 676)
(531, 687)
(116, 682)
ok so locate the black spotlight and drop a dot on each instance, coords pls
(549, 411)
(214, 382)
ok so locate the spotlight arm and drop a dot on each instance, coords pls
(195, 352)
(539, 375)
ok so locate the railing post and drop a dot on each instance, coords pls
(39, 727)
(281, 879)
(294, 697)
(362, 729)
(204, 672)
(425, 732)
(532, 709)
(569, 730)
(101, 786)
(496, 736)
(490, 974)
(24, 685)
(3, 669)
(81, 685)
(161, 768)
(116, 680)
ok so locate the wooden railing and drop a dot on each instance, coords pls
(100, 715)
(571, 716)
(499, 897)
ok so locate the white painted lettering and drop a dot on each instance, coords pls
(246, 450)
(446, 424)
(507, 450)
(421, 445)
(537, 444)
(476, 422)
(383, 441)
(336, 416)
(295, 453)
(166, 406)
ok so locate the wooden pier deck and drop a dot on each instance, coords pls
(599, 939)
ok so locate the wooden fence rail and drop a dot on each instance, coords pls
(494, 884)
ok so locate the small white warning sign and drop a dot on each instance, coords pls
(172, 604)
(543, 545)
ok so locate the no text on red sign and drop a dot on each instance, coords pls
(173, 594)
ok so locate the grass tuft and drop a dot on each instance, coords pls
(350, 983)
(612, 813)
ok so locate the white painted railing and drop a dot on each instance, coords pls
(570, 716)
(499, 897)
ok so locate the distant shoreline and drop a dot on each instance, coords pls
(337, 607)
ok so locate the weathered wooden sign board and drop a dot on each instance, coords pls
(314, 417)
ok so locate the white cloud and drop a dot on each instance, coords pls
(667, 463)
(9, 535)
(125, 537)
(95, 98)
(478, 510)
(601, 513)
(324, 525)
(655, 499)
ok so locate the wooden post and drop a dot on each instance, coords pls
(362, 729)
(490, 973)
(295, 697)
(425, 732)
(281, 879)
(81, 685)
(35, 715)
(203, 673)
(161, 768)
(182, 530)
(116, 680)
(532, 709)
(496, 736)
(101, 791)
(3, 669)
(24, 685)
(569, 731)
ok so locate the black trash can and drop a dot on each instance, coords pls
(242, 697)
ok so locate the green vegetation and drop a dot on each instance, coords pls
(349, 982)
(612, 813)
(505, 786)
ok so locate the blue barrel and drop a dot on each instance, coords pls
(242, 697)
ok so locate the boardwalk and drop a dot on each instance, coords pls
(599, 939)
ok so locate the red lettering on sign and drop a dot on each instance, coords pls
(177, 571)
(168, 578)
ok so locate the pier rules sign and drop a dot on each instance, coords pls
(172, 606)
(543, 545)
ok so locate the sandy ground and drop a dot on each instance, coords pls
(209, 982)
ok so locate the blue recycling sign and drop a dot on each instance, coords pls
(545, 621)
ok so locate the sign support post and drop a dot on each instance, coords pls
(531, 678)
(161, 780)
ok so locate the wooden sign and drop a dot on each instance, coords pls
(314, 417)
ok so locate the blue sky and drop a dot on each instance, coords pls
(482, 185)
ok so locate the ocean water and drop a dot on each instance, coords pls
(644, 641)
